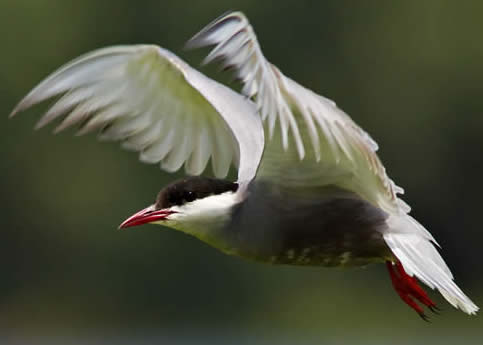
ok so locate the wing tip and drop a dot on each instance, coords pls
(40, 123)
(21, 106)
(14, 112)
(199, 40)
(459, 300)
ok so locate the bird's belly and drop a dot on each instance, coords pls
(345, 251)
(334, 247)
(332, 230)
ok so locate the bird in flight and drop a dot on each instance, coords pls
(311, 190)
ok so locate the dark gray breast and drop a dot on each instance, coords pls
(190, 189)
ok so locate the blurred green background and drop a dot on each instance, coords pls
(409, 72)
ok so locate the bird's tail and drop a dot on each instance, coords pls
(414, 247)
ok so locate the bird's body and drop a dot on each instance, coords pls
(311, 189)
(330, 227)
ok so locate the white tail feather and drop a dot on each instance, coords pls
(413, 245)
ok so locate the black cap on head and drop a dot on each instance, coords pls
(192, 188)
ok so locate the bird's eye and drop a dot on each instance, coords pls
(171, 198)
(189, 196)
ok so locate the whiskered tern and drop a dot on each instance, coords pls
(311, 189)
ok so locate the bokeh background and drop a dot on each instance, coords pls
(409, 72)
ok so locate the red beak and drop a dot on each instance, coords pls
(147, 215)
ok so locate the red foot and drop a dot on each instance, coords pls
(407, 288)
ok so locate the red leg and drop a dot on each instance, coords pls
(407, 288)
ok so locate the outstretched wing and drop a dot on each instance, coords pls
(315, 143)
(327, 148)
(155, 103)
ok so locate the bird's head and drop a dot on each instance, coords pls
(196, 205)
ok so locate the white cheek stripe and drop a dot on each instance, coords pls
(209, 203)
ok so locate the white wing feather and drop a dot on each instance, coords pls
(155, 103)
(326, 144)
(327, 148)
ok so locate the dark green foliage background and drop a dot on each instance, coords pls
(409, 72)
